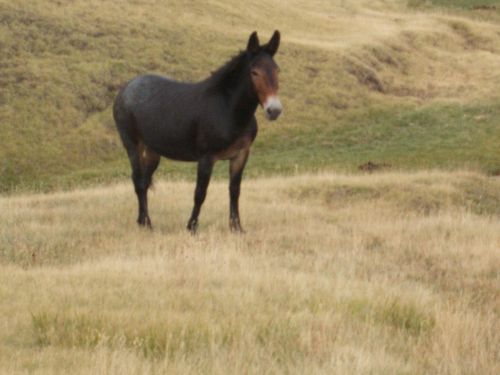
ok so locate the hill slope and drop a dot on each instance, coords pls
(397, 82)
(381, 274)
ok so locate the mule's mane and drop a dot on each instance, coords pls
(225, 75)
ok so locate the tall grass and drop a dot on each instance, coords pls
(386, 273)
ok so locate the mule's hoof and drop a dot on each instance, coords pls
(235, 227)
(145, 222)
(192, 226)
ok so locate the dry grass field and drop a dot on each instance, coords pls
(390, 273)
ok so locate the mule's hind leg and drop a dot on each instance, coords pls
(236, 167)
(205, 166)
(144, 163)
(142, 160)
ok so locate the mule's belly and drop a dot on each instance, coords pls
(185, 148)
(168, 133)
(180, 155)
(189, 140)
(175, 148)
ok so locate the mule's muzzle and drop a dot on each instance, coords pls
(272, 108)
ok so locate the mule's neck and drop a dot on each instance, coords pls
(234, 83)
(243, 102)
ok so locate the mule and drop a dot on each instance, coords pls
(199, 122)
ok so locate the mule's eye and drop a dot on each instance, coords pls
(255, 73)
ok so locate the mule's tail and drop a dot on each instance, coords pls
(125, 121)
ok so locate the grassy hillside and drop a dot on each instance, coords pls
(406, 83)
(390, 273)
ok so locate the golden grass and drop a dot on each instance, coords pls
(392, 273)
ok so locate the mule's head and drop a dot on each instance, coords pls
(264, 73)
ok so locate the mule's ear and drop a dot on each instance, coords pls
(253, 43)
(272, 46)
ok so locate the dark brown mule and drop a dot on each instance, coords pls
(203, 122)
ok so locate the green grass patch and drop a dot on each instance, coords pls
(163, 339)
(445, 136)
(478, 194)
(465, 4)
(402, 316)
(169, 338)
(481, 198)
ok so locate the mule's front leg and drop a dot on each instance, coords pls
(205, 166)
(236, 166)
